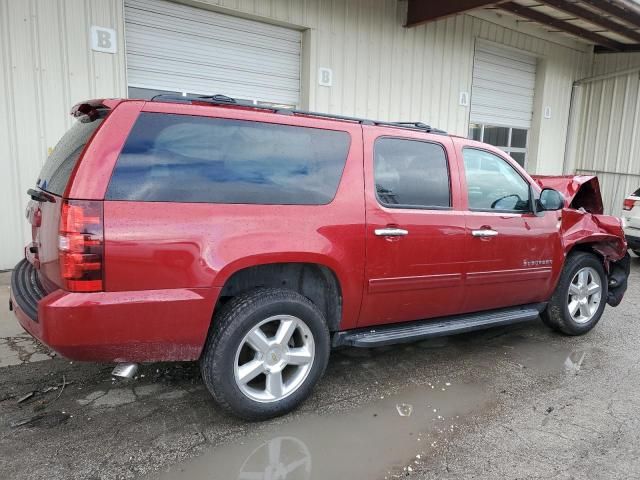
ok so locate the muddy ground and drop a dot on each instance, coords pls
(517, 402)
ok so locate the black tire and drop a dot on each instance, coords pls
(240, 315)
(556, 315)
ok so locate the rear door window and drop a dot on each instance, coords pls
(183, 158)
(411, 174)
(56, 171)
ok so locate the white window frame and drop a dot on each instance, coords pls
(508, 149)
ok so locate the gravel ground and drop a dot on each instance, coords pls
(517, 402)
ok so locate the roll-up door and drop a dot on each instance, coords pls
(178, 48)
(503, 86)
(502, 98)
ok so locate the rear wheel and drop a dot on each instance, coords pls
(266, 351)
(580, 297)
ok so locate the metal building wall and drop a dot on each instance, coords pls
(605, 132)
(46, 66)
(380, 70)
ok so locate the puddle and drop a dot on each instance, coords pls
(368, 442)
(542, 357)
(389, 434)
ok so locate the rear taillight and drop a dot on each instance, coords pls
(628, 204)
(80, 245)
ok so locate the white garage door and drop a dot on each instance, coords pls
(502, 98)
(503, 86)
(178, 48)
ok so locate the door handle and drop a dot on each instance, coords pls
(391, 232)
(484, 233)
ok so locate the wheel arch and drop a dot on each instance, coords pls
(316, 281)
(616, 269)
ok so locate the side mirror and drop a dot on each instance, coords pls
(550, 199)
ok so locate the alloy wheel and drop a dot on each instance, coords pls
(585, 294)
(274, 358)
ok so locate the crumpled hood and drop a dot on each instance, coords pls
(582, 222)
(579, 191)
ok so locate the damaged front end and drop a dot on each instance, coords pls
(583, 225)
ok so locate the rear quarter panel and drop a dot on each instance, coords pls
(161, 245)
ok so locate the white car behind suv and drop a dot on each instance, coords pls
(631, 217)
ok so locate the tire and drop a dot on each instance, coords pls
(557, 315)
(636, 251)
(231, 355)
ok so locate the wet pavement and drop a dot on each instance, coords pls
(515, 402)
(16, 345)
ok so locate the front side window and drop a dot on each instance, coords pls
(493, 184)
(183, 158)
(411, 174)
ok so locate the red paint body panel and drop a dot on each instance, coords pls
(90, 178)
(419, 275)
(500, 271)
(579, 191)
(147, 325)
(165, 263)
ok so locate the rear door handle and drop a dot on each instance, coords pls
(391, 232)
(485, 232)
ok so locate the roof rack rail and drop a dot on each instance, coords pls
(225, 100)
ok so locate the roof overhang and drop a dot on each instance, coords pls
(609, 25)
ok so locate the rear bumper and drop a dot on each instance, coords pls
(138, 326)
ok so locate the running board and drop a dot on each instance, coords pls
(421, 329)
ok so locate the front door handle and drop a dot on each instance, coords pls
(484, 233)
(391, 232)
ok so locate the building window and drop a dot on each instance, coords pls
(512, 141)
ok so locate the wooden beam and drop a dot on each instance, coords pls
(550, 21)
(424, 11)
(634, 47)
(619, 8)
(591, 16)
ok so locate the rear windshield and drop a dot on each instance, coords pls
(183, 158)
(56, 171)
(636, 193)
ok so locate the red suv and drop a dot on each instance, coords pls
(255, 239)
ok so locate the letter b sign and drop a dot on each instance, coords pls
(104, 39)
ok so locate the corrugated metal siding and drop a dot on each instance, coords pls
(614, 62)
(47, 66)
(606, 137)
(247, 59)
(380, 70)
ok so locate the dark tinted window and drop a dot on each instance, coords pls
(181, 158)
(493, 184)
(57, 169)
(411, 173)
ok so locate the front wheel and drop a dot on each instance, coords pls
(580, 297)
(266, 351)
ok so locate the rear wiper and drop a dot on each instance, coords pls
(40, 196)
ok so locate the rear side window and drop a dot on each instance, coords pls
(56, 171)
(411, 174)
(182, 158)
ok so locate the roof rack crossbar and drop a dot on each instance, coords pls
(225, 100)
